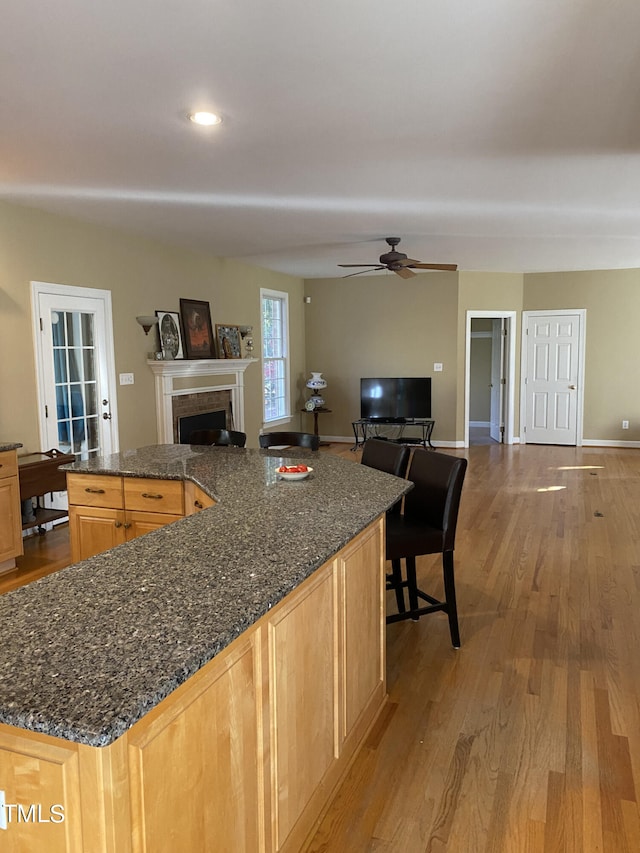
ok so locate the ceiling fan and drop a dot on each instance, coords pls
(398, 263)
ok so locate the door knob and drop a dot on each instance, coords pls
(572, 387)
(106, 416)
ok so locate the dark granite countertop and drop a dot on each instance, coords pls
(86, 652)
(9, 445)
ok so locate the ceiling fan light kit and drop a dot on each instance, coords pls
(398, 263)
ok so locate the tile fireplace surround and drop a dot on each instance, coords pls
(225, 392)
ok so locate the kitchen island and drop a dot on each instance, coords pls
(203, 687)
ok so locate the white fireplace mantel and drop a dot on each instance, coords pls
(167, 371)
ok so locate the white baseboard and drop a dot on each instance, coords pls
(601, 442)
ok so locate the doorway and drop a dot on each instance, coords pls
(75, 364)
(490, 378)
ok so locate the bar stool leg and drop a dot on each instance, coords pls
(412, 585)
(396, 576)
(450, 598)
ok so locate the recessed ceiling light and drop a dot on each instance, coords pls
(205, 119)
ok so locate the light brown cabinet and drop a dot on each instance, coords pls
(10, 511)
(106, 511)
(195, 500)
(243, 756)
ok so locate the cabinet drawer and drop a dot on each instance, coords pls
(151, 495)
(8, 464)
(95, 490)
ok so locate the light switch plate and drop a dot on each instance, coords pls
(437, 367)
(126, 378)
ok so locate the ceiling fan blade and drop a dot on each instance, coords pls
(361, 265)
(408, 262)
(444, 267)
(404, 273)
(360, 272)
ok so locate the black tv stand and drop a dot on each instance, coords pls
(365, 428)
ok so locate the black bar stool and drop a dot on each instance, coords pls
(427, 525)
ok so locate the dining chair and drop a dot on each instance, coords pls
(427, 525)
(218, 437)
(289, 439)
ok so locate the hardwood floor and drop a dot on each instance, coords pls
(42, 556)
(527, 739)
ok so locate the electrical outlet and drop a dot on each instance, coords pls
(625, 424)
(126, 378)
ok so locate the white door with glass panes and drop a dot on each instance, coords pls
(76, 372)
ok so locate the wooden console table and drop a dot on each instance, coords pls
(364, 429)
(39, 474)
(315, 412)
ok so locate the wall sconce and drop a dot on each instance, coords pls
(147, 323)
(246, 332)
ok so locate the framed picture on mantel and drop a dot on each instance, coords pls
(196, 324)
(228, 339)
(169, 329)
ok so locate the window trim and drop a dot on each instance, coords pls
(267, 293)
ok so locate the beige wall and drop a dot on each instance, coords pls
(481, 291)
(143, 276)
(361, 326)
(383, 326)
(612, 357)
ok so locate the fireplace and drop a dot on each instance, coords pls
(181, 393)
(210, 409)
(203, 420)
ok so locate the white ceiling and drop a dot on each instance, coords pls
(500, 135)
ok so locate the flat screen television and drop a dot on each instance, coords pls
(395, 399)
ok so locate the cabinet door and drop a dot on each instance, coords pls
(362, 631)
(195, 500)
(303, 705)
(94, 530)
(138, 523)
(197, 762)
(10, 519)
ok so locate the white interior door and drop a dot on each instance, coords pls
(554, 367)
(497, 379)
(76, 371)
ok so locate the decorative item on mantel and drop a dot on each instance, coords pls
(170, 333)
(228, 341)
(316, 384)
(196, 325)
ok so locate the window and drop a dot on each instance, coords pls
(275, 355)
